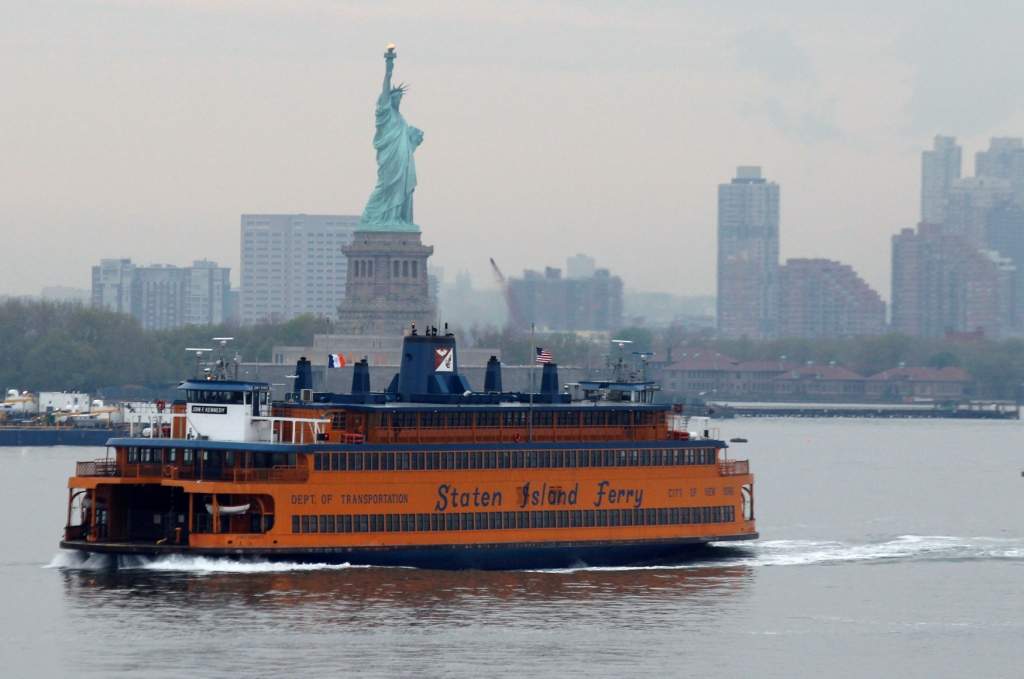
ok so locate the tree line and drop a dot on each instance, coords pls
(55, 346)
(62, 346)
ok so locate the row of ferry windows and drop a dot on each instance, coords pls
(191, 456)
(511, 459)
(579, 518)
(588, 417)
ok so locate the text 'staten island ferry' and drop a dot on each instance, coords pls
(428, 473)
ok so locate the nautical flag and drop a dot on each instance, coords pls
(444, 359)
(543, 355)
(336, 360)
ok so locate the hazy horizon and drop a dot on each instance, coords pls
(145, 128)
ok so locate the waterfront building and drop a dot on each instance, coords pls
(941, 283)
(163, 296)
(940, 384)
(940, 167)
(553, 302)
(748, 255)
(293, 264)
(825, 298)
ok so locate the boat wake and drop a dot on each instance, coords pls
(184, 564)
(904, 548)
(901, 548)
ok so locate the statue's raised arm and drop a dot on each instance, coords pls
(390, 205)
(389, 67)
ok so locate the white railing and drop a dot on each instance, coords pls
(299, 427)
(267, 429)
(694, 427)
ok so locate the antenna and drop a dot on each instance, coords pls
(199, 355)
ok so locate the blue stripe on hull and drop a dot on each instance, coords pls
(483, 557)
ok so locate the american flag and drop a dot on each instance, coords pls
(543, 355)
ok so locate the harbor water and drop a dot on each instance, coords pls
(889, 548)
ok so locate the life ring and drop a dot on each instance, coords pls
(517, 437)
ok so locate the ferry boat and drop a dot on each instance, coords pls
(428, 473)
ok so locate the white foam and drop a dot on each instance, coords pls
(816, 552)
(202, 564)
(758, 554)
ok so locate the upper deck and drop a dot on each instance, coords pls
(428, 402)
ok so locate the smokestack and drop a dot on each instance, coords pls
(303, 376)
(361, 377)
(549, 379)
(492, 378)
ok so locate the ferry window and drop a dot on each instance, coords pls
(544, 458)
(645, 458)
(305, 524)
(187, 456)
(388, 461)
(335, 462)
(356, 461)
(569, 419)
(634, 458)
(296, 526)
(549, 519)
(377, 523)
(627, 517)
(133, 455)
(338, 419)
(437, 522)
(360, 523)
(172, 456)
(652, 517)
(586, 455)
(517, 459)
(602, 517)
(389, 522)
(330, 524)
(588, 518)
(318, 462)
(558, 458)
(614, 517)
(530, 458)
(562, 519)
(344, 523)
(430, 460)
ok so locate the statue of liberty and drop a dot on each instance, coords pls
(390, 204)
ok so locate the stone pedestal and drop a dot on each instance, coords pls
(387, 287)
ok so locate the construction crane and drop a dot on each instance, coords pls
(515, 319)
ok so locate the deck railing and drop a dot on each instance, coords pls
(541, 433)
(280, 473)
(96, 468)
(734, 467)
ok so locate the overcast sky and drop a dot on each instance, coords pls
(144, 128)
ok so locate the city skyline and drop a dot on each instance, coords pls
(126, 131)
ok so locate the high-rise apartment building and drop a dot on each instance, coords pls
(163, 296)
(940, 167)
(292, 264)
(969, 204)
(824, 298)
(748, 255)
(941, 284)
(1004, 160)
(580, 266)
